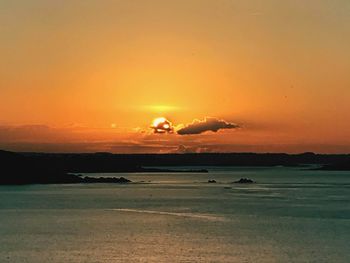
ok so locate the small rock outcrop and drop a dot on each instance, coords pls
(244, 181)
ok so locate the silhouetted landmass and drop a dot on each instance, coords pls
(45, 168)
(35, 168)
(162, 170)
(120, 180)
(18, 169)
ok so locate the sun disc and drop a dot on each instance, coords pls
(158, 121)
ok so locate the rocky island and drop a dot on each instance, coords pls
(244, 181)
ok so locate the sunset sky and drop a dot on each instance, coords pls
(88, 76)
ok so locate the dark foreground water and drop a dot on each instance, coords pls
(288, 216)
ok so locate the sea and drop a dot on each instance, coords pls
(290, 214)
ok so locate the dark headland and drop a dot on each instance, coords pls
(47, 168)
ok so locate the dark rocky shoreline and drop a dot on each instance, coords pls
(18, 169)
(48, 168)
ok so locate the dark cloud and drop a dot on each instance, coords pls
(208, 124)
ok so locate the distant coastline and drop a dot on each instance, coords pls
(47, 168)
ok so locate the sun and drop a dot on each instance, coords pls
(162, 125)
(158, 121)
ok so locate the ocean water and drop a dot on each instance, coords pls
(289, 215)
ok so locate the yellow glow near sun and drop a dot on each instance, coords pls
(161, 108)
(157, 121)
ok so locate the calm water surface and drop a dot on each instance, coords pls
(289, 215)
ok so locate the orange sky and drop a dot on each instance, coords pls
(92, 75)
